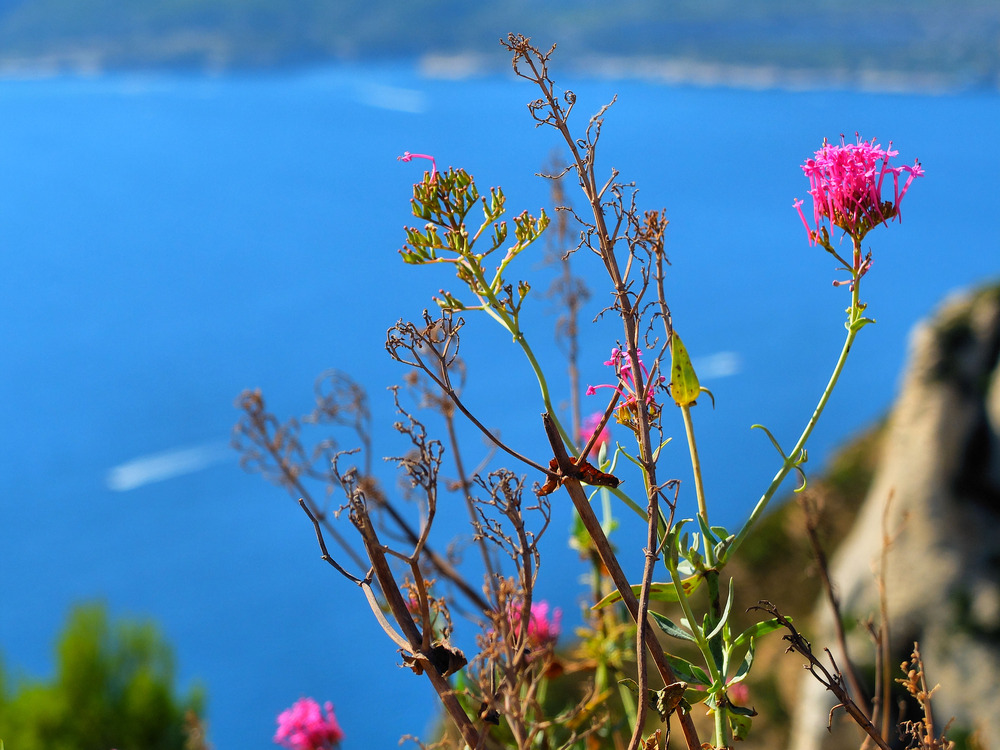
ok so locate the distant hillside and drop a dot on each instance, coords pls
(949, 43)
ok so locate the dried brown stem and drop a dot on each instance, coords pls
(831, 680)
(435, 340)
(811, 514)
(883, 603)
(418, 646)
(603, 546)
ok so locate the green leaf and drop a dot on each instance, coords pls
(687, 672)
(755, 631)
(656, 457)
(725, 614)
(695, 696)
(684, 385)
(721, 549)
(739, 723)
(721, 532)
(706, 531)
(686, 569)
(744, 669)
(675, 631)
(658, 592)
(770, 437)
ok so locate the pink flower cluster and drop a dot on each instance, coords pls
(846, 182)
(543, 630)
(303, 727)
(626, 383)
(589, 426)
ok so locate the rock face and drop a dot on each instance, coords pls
(941, 468)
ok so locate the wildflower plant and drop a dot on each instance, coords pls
(630, 688)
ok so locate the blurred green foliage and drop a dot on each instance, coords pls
(113, 688)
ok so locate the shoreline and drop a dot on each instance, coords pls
(656, 70)
(682, 71)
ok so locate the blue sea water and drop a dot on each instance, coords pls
(170, 240)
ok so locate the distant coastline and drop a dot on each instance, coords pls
(668, 71)
(212, 56)
(683, 71)
(931, 47)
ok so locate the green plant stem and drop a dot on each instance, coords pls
(603, 547)
(855, 322)
(711, 577)
(543, 386)
(704, 646)
(721, 728)
(495, 310)
(699, 487)
(699, 636)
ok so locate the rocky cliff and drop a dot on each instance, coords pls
(936, 494)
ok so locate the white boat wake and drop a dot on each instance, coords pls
(158, 467)
(393, 98)
(718, 365)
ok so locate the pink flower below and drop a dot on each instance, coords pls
(543, 630)
(588, 428)
(304, 727)
(738, 693)
(846, 184)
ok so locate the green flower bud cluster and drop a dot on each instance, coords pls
(452, 234)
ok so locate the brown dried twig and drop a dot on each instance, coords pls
(433, 348)
(811, 513)
(613, 219)
(832, 679)
(603, 547)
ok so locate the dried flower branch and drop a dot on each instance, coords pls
(832, 679)
(921, 732)
(433, 349)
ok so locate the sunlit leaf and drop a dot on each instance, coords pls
(684, 385)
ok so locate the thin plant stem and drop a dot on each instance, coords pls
(685, 602)
(652, 548)
(712, 576)
(822, 565)
(494, 308)
(699, 486)
(793, 459)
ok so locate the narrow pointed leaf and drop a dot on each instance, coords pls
(770, 437)
(721, 532)
(756, 631)
(706, 531)
(725, 614)
(675, 631)
(744, 669)
(687, 672)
